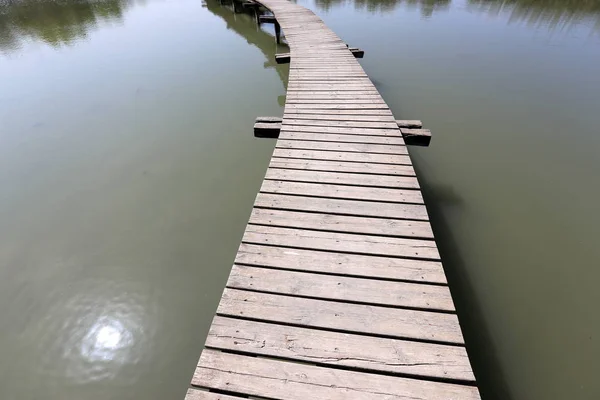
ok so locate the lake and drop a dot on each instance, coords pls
(128, 170)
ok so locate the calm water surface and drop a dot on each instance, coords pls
(128, 171)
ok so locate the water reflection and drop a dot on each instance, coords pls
(106, 340)
(54, 22)
(427, 7)
(551, 13)
(244, 24)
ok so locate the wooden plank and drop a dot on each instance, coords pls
(308, 86)
(340, 118)
(409, 123)
(342, 223)
(343, 156)
(416, 137)
(342, 206)
(340, 349)
(345, 147)
(326, 73)
(335, 106)
(347, 289)
(336, 101)
(362, 193)
(377, 130)
(351, 318)
(269, 120)
(389, 125)
(342, 242)
(292, 117)
(341, 263)
(268, 130)
(341, 178)
(331, 137)
(292, 381)
(327, 95)
(195, 394)
(335, 166)
(340, 112)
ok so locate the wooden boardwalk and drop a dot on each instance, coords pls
(337, 291)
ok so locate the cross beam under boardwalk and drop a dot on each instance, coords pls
(337, 290)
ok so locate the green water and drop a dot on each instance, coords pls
(128, 170)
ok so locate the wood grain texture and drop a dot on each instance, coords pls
(341, 166)
(292, 381)
(335, 206)
(329, 155)
(195, 394)
(342, 223)
(342, 178)
(361, 193)
(347, 129)
(350, 318)
(340, 349)
(347, 147)
(341, 263)
(339, 138)
(348, 289)
(342, 242)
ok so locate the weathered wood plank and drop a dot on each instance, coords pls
(342, 178)
(348, 289)
(388, 125)
(338, 118)
(343, 156)
(269, 120)
(345, 147)
(292, 381)
(340, 349)
(342, 206)
(341, 263)
(345, 130)
(195, 394)
(409, 123)
(416, 137)
(336, 101)
(340, 112)
(342, 223)
(327, 87)
(363, 193)
(335, 166)
(339, 138)
(268, 130)
(342, 242)
(352, 318)
(294, 96)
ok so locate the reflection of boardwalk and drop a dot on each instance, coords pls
(337, 291)
(246, 27)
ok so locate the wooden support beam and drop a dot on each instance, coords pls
(267, 19)
(267, 127)
(269, 120)
(285, 58)
(277, 32)
(416, 137)
(413, 135)
(409, 123)
(358, 53)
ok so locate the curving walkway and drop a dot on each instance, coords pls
(338, 290)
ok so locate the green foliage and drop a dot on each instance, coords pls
(56, 22)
